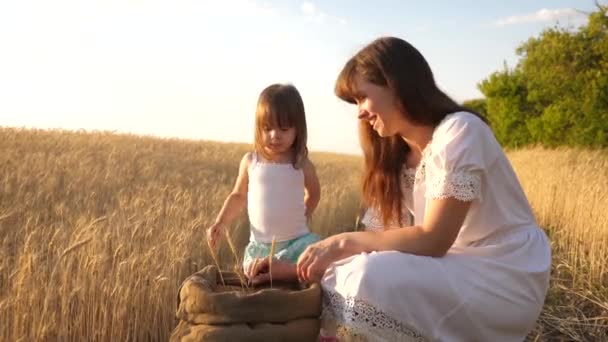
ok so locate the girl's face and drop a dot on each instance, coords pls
(379, 107)
(278, 140)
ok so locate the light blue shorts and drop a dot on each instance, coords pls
(289, 250)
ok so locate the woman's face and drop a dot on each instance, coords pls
(379, 107)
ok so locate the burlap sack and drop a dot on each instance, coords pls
(304, 330)
(211, 311)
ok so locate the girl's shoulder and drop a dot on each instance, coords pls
(306, 164)
(249, 156)
(248, 160)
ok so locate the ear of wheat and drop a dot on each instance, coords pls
(270, 257)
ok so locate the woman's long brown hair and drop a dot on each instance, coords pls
(393, 63)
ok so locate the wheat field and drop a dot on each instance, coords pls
(97, 230)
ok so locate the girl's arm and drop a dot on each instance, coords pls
(312, 187)
(234, 203)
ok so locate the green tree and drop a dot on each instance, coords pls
(557, 94)
(477, 105)
(507, 108)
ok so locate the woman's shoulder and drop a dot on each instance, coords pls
(460, 125)
(460, 120)
(464, 137)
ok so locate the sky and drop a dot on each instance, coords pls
(193, 69)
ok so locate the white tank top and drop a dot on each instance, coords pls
(275, 201)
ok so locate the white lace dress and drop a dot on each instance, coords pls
(491, 284)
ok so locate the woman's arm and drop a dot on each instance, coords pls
(442, 223)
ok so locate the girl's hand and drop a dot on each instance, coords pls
(316, 258)
(214, 233)
(256, 267)
(258, 271)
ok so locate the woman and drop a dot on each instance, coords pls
(474, 266)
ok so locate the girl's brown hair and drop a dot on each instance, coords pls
(280, 105)
(393, 63)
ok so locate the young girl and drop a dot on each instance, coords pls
(277, 181)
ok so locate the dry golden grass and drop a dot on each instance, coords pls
(98, 230)
(568, 190)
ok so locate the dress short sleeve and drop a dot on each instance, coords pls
(462, 149)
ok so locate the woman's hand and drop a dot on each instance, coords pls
(317, 257)
(258, 271)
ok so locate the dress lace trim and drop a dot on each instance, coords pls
(372, 221)
(463, 186)
(408, 177)
(355, 319)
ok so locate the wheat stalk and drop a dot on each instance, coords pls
(215, 261)
(237, 265)
(270, 257)
(242, 278)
